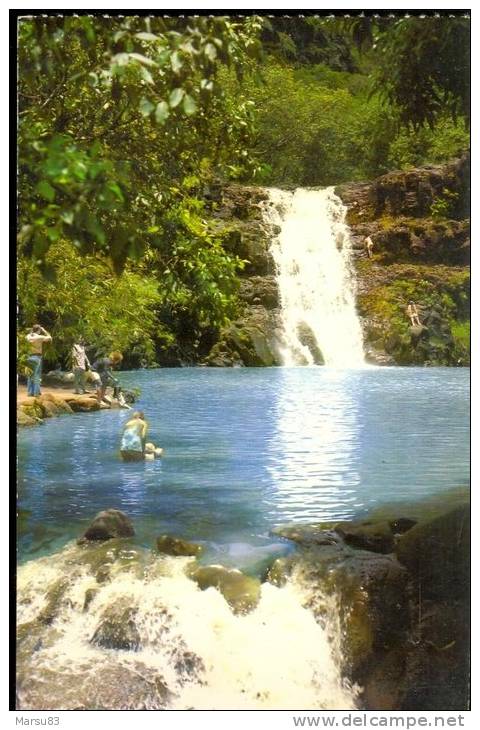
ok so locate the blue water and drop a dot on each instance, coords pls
(246, 450)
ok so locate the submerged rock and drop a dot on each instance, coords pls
(171, 545)
(108, 524)
(242, 592)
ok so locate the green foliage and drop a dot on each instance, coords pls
(111, 111)
(86, 298)
(444, 206)
(421, 66)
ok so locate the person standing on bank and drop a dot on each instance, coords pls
(80, 363)
(36, 338)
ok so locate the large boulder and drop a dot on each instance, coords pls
(24, 419)
(437, 552)
(108, 524)
(171, 545)
(242, 592)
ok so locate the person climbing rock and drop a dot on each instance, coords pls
(132, 447)
(36, 339)
(412, 312)
(80, 363)
(369, 246)
(104, 366)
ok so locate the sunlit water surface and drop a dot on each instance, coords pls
(247, 450)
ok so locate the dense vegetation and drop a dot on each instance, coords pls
(125, 124)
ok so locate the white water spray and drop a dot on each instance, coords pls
(193, 652)
(312, 254)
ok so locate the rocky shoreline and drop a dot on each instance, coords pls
(401, 590)
(55, 401)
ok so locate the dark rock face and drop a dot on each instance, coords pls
(171, 545)
(436, 555)
(404, 616)
(108, 524)
(251, 341)
(418, 221)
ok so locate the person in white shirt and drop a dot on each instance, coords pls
(80, 363)
(36, 338)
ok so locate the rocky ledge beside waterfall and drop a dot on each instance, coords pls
(418, 221)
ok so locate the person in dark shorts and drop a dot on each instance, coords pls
(104, 366)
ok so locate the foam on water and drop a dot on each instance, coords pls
(194, 652)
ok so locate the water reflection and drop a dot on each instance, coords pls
(315, 451)
(248, 449)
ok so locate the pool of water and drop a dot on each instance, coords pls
(248, 449)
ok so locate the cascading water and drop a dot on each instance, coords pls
(171, 645)
(312, 253)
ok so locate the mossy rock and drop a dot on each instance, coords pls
(241, 592)
(171, 545)
(24, 419)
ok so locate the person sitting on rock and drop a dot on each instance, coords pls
(369, 246)
(132, 447)
(412, 312)
(36, 338)
(104, 366)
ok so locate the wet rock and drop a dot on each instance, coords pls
(436, 554)
(84, 404)
(252, 341)
(90, 595)
(24, 419)
(308, 534)
(188, 666)
(401, 525)
(53, 602)
(376, 536)
(171, 545)
(384, 686)
(280, 571)
(108, 524)
(242, 592)
(117, 629)
(260, 290)
(126, 686)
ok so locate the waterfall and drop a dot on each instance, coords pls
(190, 650)
(312, 254)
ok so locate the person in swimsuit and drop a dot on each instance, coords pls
(132, 446)
(412, 312)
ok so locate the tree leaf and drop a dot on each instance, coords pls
(146, 107)
(176, 62)
(176, 97)
(147, 36)
(44, 189)
(210, 51)
(189, 105)
(162, 112)
(142, 59)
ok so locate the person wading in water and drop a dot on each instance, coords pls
(132, 446)
(36, 338)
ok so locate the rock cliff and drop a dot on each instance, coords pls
(418, 222)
